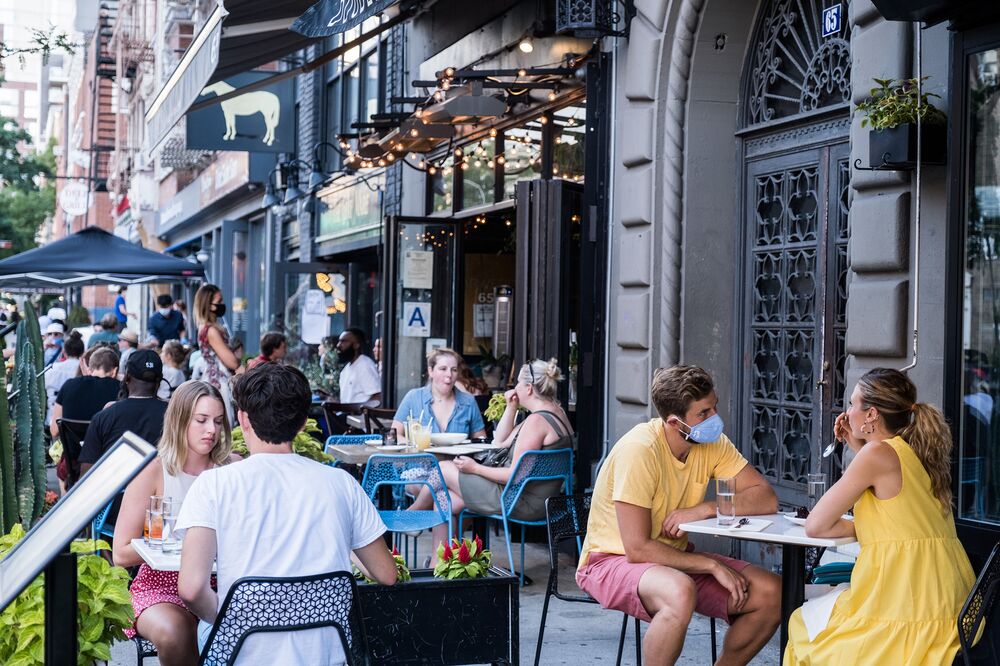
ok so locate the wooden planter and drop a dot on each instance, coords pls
(429, 620)
(896, 148)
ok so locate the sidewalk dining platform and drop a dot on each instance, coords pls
(575, 634)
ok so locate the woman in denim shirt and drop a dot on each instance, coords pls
(447, 408)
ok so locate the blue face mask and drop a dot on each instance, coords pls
(707, 431)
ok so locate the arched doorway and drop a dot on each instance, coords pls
(794, 131)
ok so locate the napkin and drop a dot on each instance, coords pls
(755, 525)
(816, 612)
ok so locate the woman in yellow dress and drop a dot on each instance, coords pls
(912, 575)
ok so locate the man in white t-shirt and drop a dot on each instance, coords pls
(359, 380)
(276, 514)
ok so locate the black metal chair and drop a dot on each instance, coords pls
(143, 649)
(566, 518)
(260, 605)
(378, 419)
(72, 433)
(336, 414)
(976, 615)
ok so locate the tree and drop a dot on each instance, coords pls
(27, 194)
(43, 42)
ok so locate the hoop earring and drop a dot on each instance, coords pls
(871, 425)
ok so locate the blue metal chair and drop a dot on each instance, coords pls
(100, 527)
(532, 466)
(399, 471)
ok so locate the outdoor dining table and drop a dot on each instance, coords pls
(793, 541)
(358, 454)
(157, 559)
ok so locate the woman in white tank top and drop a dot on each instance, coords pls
(196, 437)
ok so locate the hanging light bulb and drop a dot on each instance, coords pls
(421, 164)
(418, 112)
(544, 120)
(525, 45)
(390, 157)
(501, 159)
(521, 73)
(493, 132)
(459, 152)
(552, 95)
(432, 170)
(465, 165)
(449, 72)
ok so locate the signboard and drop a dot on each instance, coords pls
(418, 269)
(314, 320)
(351, 210)
(329, 17)
(261, 120)
(832, 18)
(228, 172)
(74, 198)
(416, 319)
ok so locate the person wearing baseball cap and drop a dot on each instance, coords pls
(137, 410)
(53, 342)
(128, 342)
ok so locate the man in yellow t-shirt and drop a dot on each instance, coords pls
(635, 558)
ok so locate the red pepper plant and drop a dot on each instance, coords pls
(462, 559)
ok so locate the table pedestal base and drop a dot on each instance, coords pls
(793, 574)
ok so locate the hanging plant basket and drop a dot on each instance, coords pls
(896, 147)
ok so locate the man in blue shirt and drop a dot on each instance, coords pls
(166, 323)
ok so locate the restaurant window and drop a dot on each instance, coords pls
(979, 439)
(522, 155)
(569, 139)
(355, 85)
(479, 175)
(443, 186)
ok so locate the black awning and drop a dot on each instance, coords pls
(92, 256)
(247, 34)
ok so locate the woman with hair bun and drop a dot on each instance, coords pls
(478, 487)
(912, 575)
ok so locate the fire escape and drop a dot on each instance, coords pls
(103, 111)
(133, 67)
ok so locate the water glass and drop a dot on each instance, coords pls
(171, 543)
(815, 487)
(725, 499)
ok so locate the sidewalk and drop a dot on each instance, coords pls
(575, 633)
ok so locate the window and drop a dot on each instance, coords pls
(355, 84)
(979, 453)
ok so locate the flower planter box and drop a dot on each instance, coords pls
(428, 620)
(896, 148)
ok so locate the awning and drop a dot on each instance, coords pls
(92, 256)
(247, 34)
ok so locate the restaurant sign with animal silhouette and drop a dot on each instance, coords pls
(261, 120)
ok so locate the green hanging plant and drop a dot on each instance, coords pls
(895, 102)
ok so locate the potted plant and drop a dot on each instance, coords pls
(303, 444)
(103, 599)
(891, 112)
(462, 612)
(493, 367)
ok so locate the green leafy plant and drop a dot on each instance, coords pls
(402, 571)
(895, 102)
(490, 361)
(104, 603)
(462, 559)
(78, 316)
(495, 408)
(304, 444)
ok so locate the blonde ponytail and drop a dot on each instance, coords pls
(930, 438)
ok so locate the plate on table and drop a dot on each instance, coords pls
(391, 447)
(374, 442)
(448, 438)
(792, 518)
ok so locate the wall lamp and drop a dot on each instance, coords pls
(286, 184)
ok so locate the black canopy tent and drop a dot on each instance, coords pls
(92, 256)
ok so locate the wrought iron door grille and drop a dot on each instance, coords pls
(785, 239)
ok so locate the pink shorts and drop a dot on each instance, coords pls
(614, 582)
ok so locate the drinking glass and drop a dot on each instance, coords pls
(815, 487)
(725, 499)
(154, 528)
(421, 435)
(171, 544)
